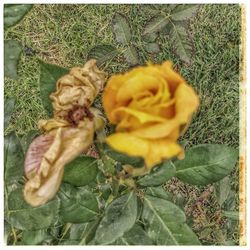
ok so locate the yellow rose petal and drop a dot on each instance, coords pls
(135, 85)
(161, 149)
(158, 130)
(141, 116)
(187, 103)
(109, 95)
(172, 77)
(128, 144)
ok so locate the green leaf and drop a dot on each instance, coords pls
(49, 74)
(166, 223)
(150, 37)
(119, 217)
(135, 236)
(121, 29)
(13, 158)
(159, 192)
(9, 105)
(28, 138)
(102, 53)
(12, 52)
(14, 13)
(81, 171)
(158, 175)
(122, 158)
(69, 242)
(233, 215)
(184, 11)
(131, 55)
(84, 233)
(230, 202)
(152, 48)
(155, 24)
(205, 164)
(78, 205)
(181, 43)
(34, 237)
(25, 217)
(222, 190)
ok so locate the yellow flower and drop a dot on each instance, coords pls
(151, 107)
(68, 134)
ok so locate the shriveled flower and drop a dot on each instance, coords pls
(151, 107)
(69, 133)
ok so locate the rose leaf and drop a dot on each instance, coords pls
(158, 175)
(9, 105)
(49, 74)
(121, 29)
(184, 11)
(131, 55)
(102, 53)
(119, 217)
(166, 223)
(181, 43)
(25, 217)
(13, 13)
(152, 48)
(81, 171)
(12, 52)
(13, 158)
(78, 205)
(206, 164)
(135, 236)
(155, 24)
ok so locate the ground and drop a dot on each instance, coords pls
(63, 35)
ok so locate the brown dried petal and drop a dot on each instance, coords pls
(79, 87)
(35, 154)
(68, 143)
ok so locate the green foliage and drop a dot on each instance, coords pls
(119, 217)
(156, 24)
(181, 43)
(131, 55)
(158, 175)
(12, 52)
(105, 149)
(81, 171)
(102, 53)
(205, 164)
(34, 237)
(14, 13)
(234, 215)
(169, 20)
(25, 217)
(83, 233)
(25, 140)
(184, 11)
(78, 205)
(222, 190)
(13, 158)
(49, 74)
(159, 192)
(166, 223)
(152, 48)
(9, 106)
(121, 29)
(135, 236)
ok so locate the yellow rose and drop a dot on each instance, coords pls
(151, 107)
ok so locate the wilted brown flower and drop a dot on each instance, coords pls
(69, 133)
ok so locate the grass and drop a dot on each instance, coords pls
(63, 35)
